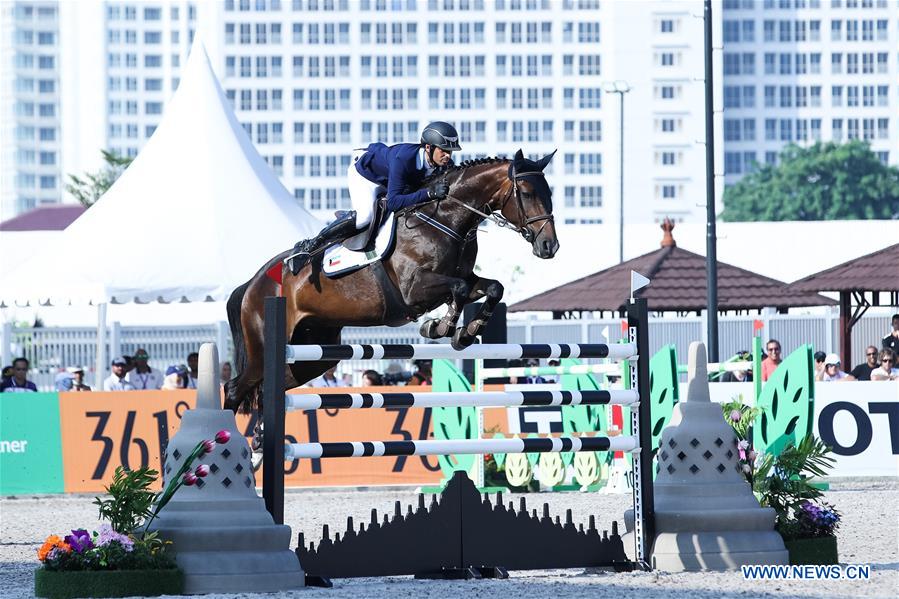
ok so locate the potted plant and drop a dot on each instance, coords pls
(783, 483)
(122, 559)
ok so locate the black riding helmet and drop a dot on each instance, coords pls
(441, 135)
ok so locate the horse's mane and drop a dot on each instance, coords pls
(440, 171)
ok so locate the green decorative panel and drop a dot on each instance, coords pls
(663, 390)
(30, 445)
(787, 401)
(580, 419)
(453, 423)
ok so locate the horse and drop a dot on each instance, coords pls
(431, 264)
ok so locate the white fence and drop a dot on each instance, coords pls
(50, 349)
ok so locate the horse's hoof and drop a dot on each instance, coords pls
(428, 329)
(461, 339)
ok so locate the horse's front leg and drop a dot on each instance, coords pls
(492, 291)
(434, 328)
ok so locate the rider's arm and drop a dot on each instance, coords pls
(400, 171)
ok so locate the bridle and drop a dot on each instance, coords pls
(495, 215)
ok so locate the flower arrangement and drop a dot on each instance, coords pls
(122, 542)
(783, 482)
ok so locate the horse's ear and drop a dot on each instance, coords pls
(519, 155)
(543, 162)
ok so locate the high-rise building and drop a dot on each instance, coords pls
(803, 71)
(30, 158)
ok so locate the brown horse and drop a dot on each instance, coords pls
(431, 264)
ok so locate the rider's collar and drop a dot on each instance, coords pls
(422, 162)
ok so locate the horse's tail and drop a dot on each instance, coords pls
(233, 308)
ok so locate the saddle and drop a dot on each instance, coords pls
(364, 241)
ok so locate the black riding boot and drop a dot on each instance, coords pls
(340, 229)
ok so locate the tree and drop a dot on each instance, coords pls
(91, 186)
(827, 181)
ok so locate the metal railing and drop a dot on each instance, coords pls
(53, 348)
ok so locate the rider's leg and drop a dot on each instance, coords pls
(363, 195)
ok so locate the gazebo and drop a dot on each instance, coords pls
(678, 285)
(861, 282)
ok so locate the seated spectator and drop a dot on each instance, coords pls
(534, 379)
(143, 376)
(77, 373)
(18, 382)
(422, 374)
(327, 379)
(832, 371)
(371, 378)
(63, 381)
(174, 378)
(820, 356)
(117, 381)
(226, 372)
(887, 370)
(891, 341)
(773, 360)
(193, 365)
(862, 372)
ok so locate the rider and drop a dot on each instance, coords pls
(400, 169)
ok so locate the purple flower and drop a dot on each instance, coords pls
(202, 470)
(736, 415)
(80, 541)
(222, 437)
(108, 535)
(189, 479)
(744, 444)
(208, 446)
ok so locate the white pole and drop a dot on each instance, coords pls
(102, 361)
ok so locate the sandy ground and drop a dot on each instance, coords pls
(869, 535)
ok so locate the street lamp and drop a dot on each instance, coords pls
(620, 87)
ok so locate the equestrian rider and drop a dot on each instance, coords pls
(400, 169)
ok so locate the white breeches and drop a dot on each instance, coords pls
(363, 193)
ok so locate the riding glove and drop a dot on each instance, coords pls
(438, 190)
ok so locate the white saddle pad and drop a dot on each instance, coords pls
(339, 260)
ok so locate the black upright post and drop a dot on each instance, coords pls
(711, 242)
(644, 502)
(273, 408)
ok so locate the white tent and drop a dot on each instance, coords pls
(194, 216)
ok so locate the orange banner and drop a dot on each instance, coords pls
(101, 431)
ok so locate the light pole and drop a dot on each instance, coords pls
(620, 87)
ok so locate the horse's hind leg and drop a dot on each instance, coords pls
(493, 291)
(434, 328)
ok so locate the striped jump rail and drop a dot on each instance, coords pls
(488, 399)
(358, 449)
(433, 351)
(614, 369)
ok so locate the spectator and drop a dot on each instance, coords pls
(891, 341)
(18, 382)
(862, 372)
(144, 377)
(422, 374)
(226, 372)
(63, 381)
(553, 378)
(129, 364)
(820, 356)
(832, 371)
(327, 379)
(531, 380)
(887, 370)
(174, 378)
(117, 381)
(193, 365)
(770, 364)
(738, 376)
(371, 378)
(7, 374)
(77, 373)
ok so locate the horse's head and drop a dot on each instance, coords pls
(530, 205)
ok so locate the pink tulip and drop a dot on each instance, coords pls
(222, 437)
(736, 415)
(208, 446)
(202, 470)
(744, 444)
(189, 479)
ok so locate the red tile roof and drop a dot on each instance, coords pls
(878, 271)
(45, 218)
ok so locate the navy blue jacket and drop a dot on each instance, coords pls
(396, 168)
